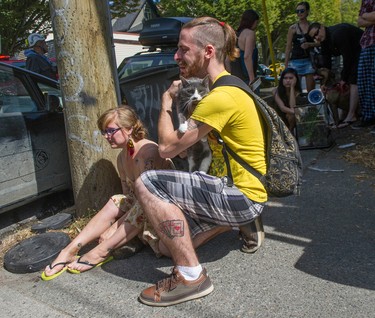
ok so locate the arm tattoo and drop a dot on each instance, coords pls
(172, 228)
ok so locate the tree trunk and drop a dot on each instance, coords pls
(88, 80)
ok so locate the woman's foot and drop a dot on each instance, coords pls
(346, 122)
(58, 265)
(88, 261)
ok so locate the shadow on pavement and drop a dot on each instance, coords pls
(333, 220)
(145, 266)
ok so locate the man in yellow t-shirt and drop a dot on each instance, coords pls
(232, 113)
(182, 205)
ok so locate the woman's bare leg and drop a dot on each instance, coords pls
(112, 229)
(123, 234)
(97, 225)
(353, 104)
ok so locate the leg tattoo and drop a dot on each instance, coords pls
(172, 228)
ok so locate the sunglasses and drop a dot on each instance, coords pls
(300, 11)
(110, 131)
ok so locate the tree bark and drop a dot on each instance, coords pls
(88, 78)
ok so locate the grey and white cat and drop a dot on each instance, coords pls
(192, 91)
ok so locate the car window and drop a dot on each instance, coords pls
(13, 94)
(140, 62)
(135, 65)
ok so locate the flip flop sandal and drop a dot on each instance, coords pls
(47, 278)
(76, 271)
(346, 123)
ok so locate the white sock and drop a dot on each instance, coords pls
(190, 272)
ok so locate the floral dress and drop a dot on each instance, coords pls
(135, 216)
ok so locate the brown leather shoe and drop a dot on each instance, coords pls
(175, 289)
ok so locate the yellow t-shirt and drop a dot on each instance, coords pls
(218, 167)
(232, 112)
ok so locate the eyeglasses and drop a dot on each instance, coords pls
(110, 131)
(300, 11)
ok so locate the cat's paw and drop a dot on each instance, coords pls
(183, 127)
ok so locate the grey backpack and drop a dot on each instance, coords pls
(283, 159)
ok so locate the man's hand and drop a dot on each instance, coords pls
(173, 89)
(169, 95)
(183, 154)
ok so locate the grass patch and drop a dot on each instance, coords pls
(362, 154)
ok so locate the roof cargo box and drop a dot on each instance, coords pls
(162, 31)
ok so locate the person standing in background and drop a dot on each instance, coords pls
(36, 60)
(247, 44)
(341, 39)
(366, 65)
(298, 43)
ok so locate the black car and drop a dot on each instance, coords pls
(33, 150)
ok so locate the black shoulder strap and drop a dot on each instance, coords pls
(300, 30)
(230, 80)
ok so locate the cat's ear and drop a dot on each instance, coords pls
(184, 81)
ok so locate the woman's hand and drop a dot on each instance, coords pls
(305, 45)
(293, 82)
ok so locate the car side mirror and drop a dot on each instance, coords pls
(53, 103)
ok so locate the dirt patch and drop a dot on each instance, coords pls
(363, 150)
(363, 155)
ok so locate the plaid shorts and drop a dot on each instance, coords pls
(366, 82)
(205, 200)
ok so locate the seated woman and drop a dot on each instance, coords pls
(122, 218)
(285, 96)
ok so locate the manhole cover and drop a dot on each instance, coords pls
(35, 253)
(54, 222)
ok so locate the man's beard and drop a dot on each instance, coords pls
(193, 70)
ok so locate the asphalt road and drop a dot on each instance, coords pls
(318, 260)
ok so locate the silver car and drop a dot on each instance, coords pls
(33, 150)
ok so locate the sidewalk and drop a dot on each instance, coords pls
(318, 259)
